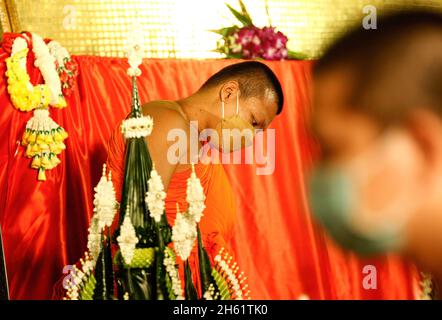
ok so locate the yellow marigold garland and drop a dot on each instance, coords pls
(43, 137)
(22, 97)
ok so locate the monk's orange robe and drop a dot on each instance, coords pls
(219, 215)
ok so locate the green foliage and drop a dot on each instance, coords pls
(168, 280)
(143, 258)
(204, 264)
(242, 17)
(189, 288)
(297, 55)
(221, 284)
(88, 287)
(225, 32)
(104, 273)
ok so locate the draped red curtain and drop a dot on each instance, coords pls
(278, 246)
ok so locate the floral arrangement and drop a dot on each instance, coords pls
(67, 68)
(139, 260)
(43, 138)
(250, 42)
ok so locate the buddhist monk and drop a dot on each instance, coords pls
(243, 97)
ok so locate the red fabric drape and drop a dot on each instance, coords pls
(276, 243)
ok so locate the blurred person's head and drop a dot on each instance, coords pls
(378, 118)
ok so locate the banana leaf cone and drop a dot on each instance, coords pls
(140, 283)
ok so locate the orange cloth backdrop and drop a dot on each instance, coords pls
(281, 250)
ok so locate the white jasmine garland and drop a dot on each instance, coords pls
(59, 52)
(41, 121)
(77, 276)
(18, 45)
(155, 196)
(137, 127)
(210, 294)
(195, 196)
(94, 237)
(134, 43)
(184, 234)
(169, 263)
(105, 202)
(127, 239)
(223, 263)
(46, 63)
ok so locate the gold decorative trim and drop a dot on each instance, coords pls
(14, 20)
(4, 18)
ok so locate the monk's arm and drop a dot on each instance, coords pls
(164, 120)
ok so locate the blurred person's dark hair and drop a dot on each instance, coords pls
(393, 68)
(253, 77)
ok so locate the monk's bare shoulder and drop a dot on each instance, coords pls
(165, 116)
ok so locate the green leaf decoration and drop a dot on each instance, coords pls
(244, 19)
(138, 165)
(171, 294)
(159, 264)
(168, 280)
(143, 258)
(222, 285)
(87, 289)
(189, 287)
(139, 283)
(234, 56)
(204, 264)
(244, 11)
(297, 55)
(164, 230)
(225, 32)
(104, 274)
(108, 267)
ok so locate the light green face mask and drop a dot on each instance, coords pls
(366, 203)
(332, 199)
(234, 132)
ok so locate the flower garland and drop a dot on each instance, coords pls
(127, 239)
(105, 202)
(46, 63)
(236, 285)
(183, 234)
(66, 67)
(155, 196)
(251, 42)
(81, 282)
(43, 137)
(24, 96)
(137, 127)
(169, 263)
(195, 196)
(105, 206)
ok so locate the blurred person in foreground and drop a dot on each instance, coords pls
(377, 116)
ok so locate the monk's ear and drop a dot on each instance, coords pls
(229, 90)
